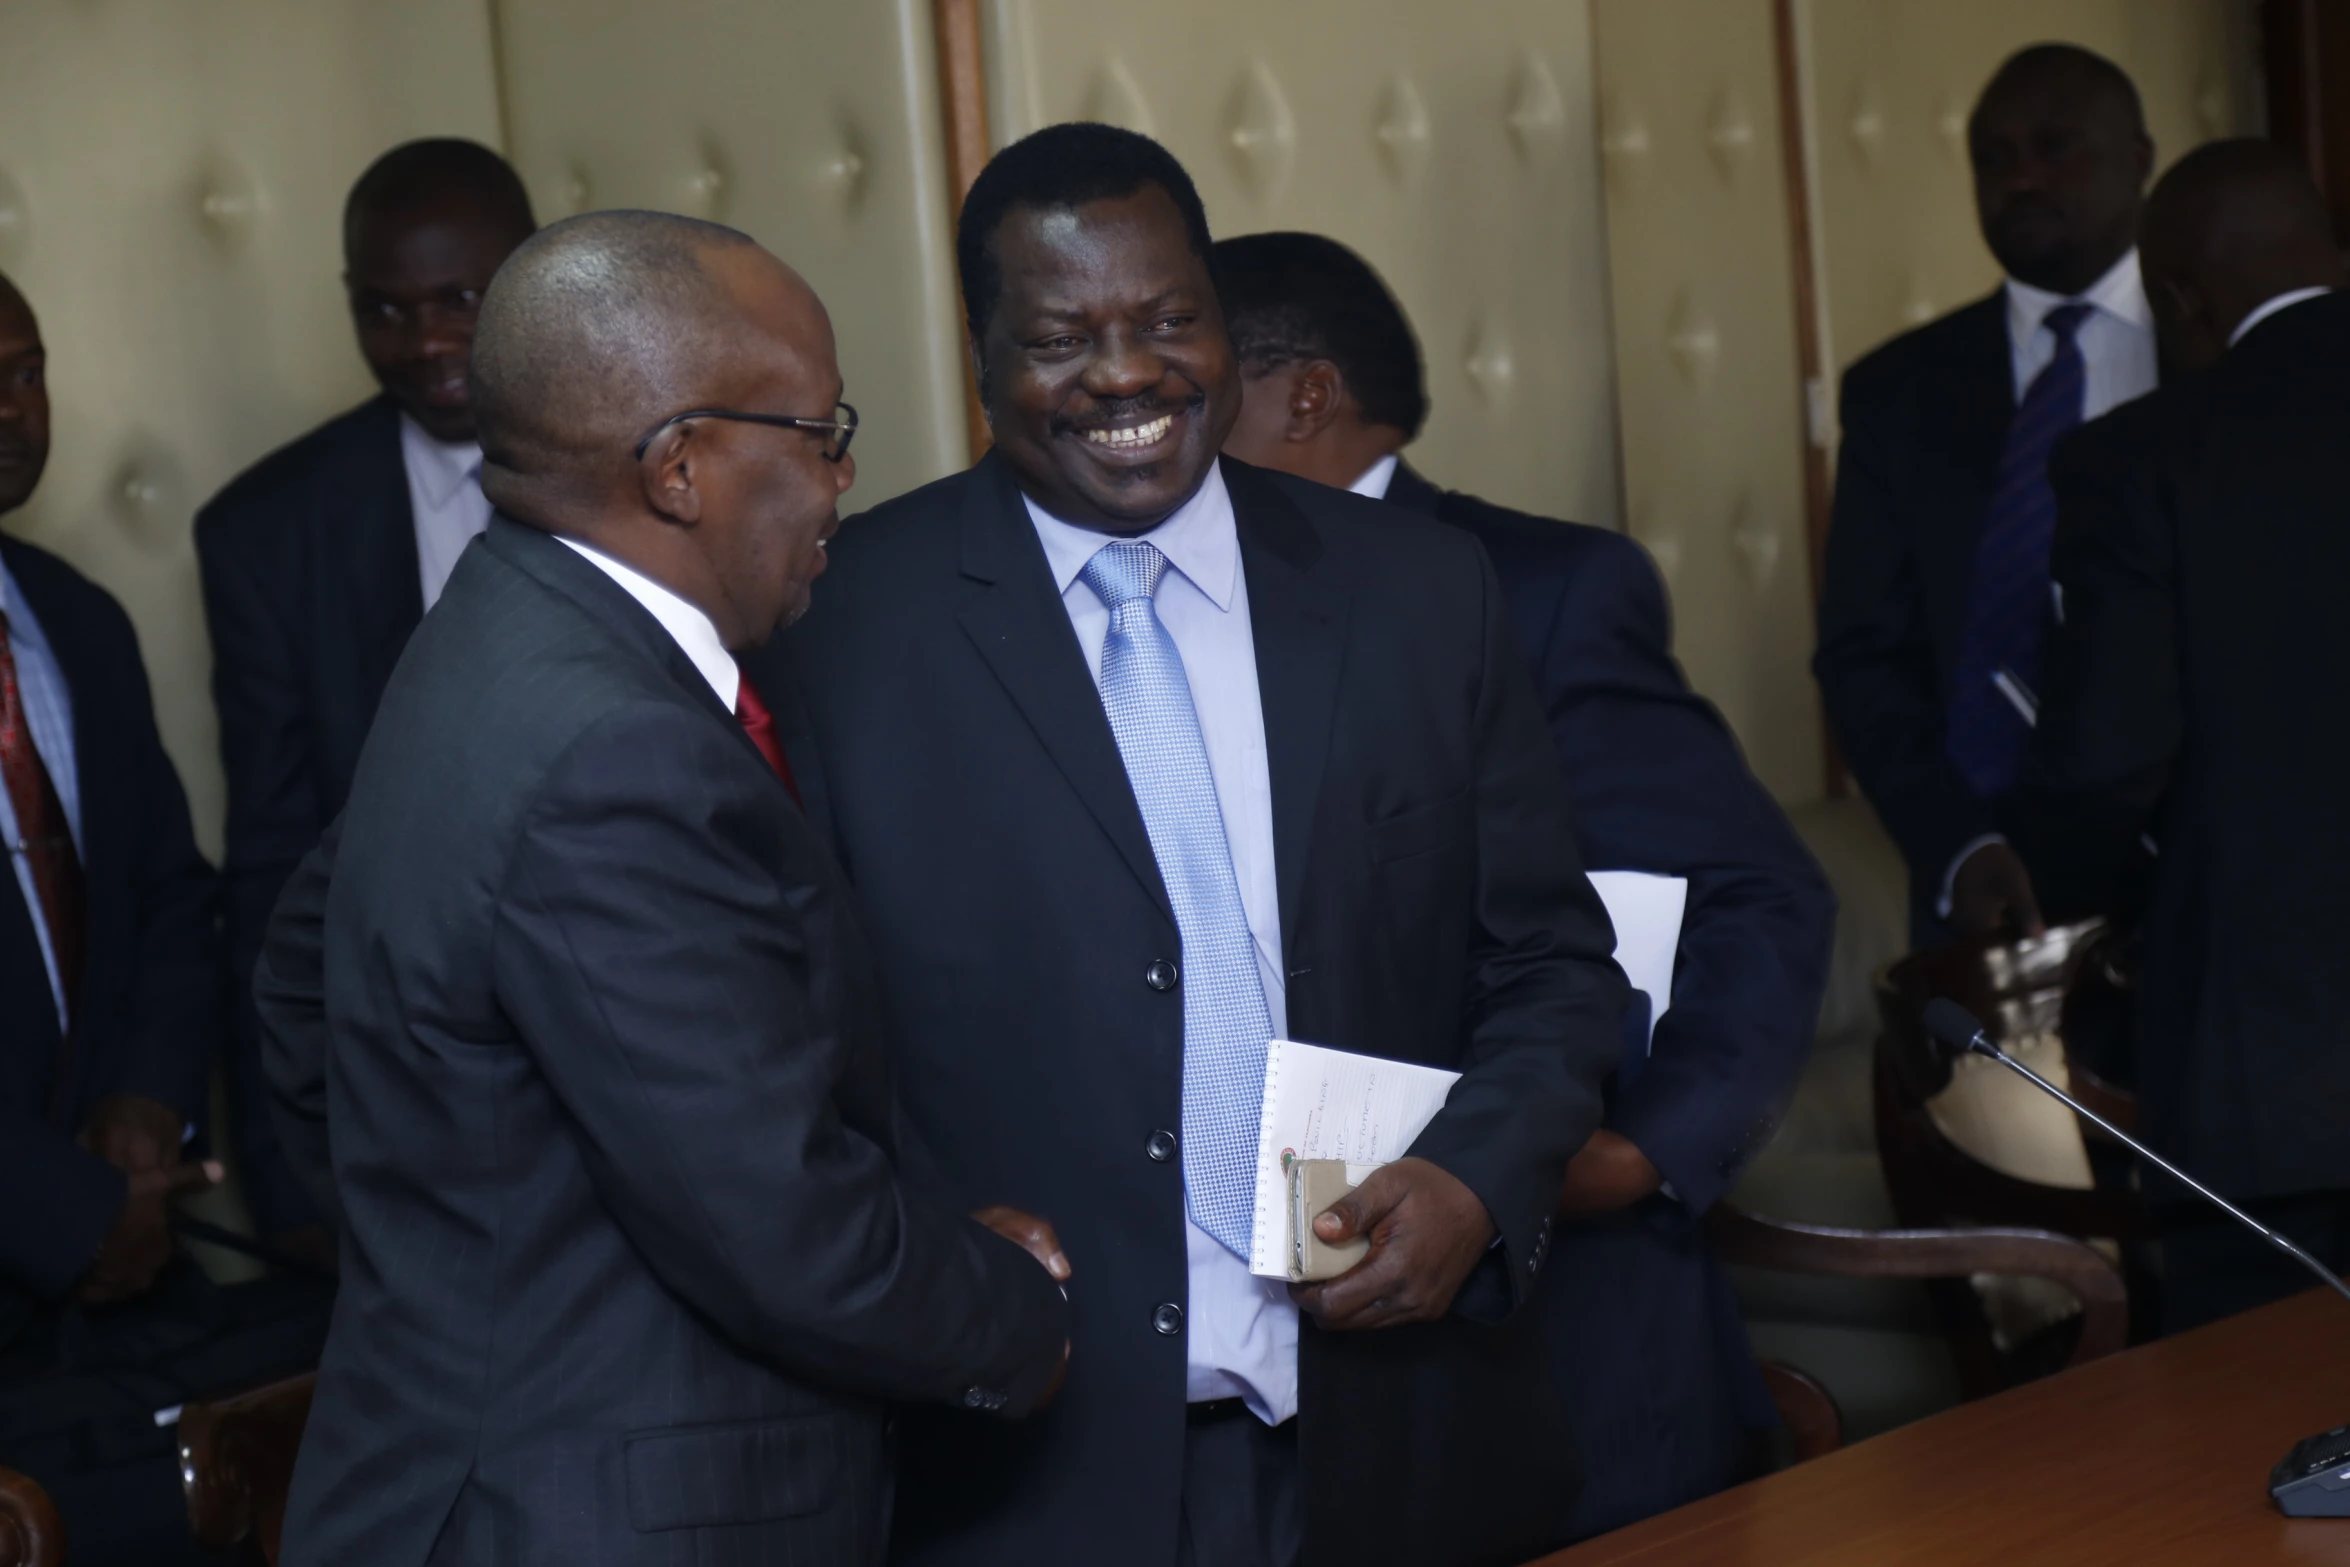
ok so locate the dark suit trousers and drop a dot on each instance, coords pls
(1240, 1492)
(2212, 1267)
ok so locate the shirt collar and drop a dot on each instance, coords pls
(1376, 478)
(1199, 538)
(685, 623)
(2120, 293)
(441, 468)
(2270, 307)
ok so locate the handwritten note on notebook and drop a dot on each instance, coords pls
(1332, 1104)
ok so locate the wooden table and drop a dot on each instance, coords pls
(2156, 1455)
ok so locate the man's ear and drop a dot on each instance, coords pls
(1316, 395)
(667, 472)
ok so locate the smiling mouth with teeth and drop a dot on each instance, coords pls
(1135, 437)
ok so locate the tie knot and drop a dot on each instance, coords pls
(1125, 571)
(2065, 320)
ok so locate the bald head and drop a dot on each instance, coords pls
(2060, 157)
(596, 335)
(2232, 225)
(24, 400)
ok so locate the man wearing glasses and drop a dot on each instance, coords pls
(585, 1042)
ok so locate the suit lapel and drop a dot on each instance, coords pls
(1018, 624)
(372, 561)
(1978, 392)
(1297, 615)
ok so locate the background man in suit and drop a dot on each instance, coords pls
(109, 1017)
(574, 995)
(1936, 579)
(2197, 682)
(318, 562)
(1135, 758)
(1646, 1344)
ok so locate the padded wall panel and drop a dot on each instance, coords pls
(1451, 145)
(171, 186)
(812, 128)
(1890, 84)
(1707, 375)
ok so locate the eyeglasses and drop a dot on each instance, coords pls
(841, 427)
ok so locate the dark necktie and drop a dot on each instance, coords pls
(759, 724)
(2007, 599)
(43, 836)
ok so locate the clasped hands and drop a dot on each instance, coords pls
(141, 1138)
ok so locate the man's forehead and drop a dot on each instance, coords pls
(20, 333)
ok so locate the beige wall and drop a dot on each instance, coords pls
(171, 187)
(171, 173)
(1452, 145)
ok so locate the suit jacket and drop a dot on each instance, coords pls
(1432, 909)
(2196, 688)
(147, 1019)
(1645, 1336)
(1925, 420)
(574, 1000)
(309, 571)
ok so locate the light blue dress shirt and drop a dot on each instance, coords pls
(48, 711)
(1240, 1330)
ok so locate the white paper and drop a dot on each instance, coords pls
(1332, 1104)
(1646, 911)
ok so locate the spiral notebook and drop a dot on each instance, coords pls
(1332, 1104)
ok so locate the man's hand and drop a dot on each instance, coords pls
(1992, 896)
(1427, 1231)
(1031, 1234)
(137, 1247)
(134, 1134)
(1035, 1237)
(1610, 1173)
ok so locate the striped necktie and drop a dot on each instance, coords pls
(44, 838)
(2007, 600)
(1225, 1021)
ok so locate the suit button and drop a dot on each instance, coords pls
(1168, 1319)
(1161, 975)
(1161, 1147)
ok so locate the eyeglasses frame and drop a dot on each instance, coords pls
(844, 429)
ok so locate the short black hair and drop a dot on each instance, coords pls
(438, 168)
(1293, 297)
(2082, 70)
(1061, 166)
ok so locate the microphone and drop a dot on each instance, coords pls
(2313, 1480)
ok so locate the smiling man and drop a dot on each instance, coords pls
(319, 560)
(1138, 758)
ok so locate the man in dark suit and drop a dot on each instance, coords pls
(572, 1012)
(1646, 1344)
(2196, 689)
(318, 562)
(110, 1009)
(1136, 757)
(1936, 579)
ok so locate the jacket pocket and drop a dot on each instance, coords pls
(693, 1477)
(1422, 829)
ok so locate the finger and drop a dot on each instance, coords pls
(1356, 1294)
(1356, 1212)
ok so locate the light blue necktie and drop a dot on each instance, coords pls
(1225, 1021)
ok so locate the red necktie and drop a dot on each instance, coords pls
(759, 724)
(43, 836)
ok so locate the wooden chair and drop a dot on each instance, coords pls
(30, 1533)
(1808, 1408)
(237, 1463)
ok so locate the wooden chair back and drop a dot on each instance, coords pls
(1808, 1408)
(31, 1534)
(237, 1463)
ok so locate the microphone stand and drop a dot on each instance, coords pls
(2311, 1481)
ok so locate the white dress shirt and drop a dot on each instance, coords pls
(686, 624)
(1374, 480)
(1240, 1330)
(2271, 306)
(48, 713)
(2118, 364)
(445, 498)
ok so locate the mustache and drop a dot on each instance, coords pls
(1112, 412)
